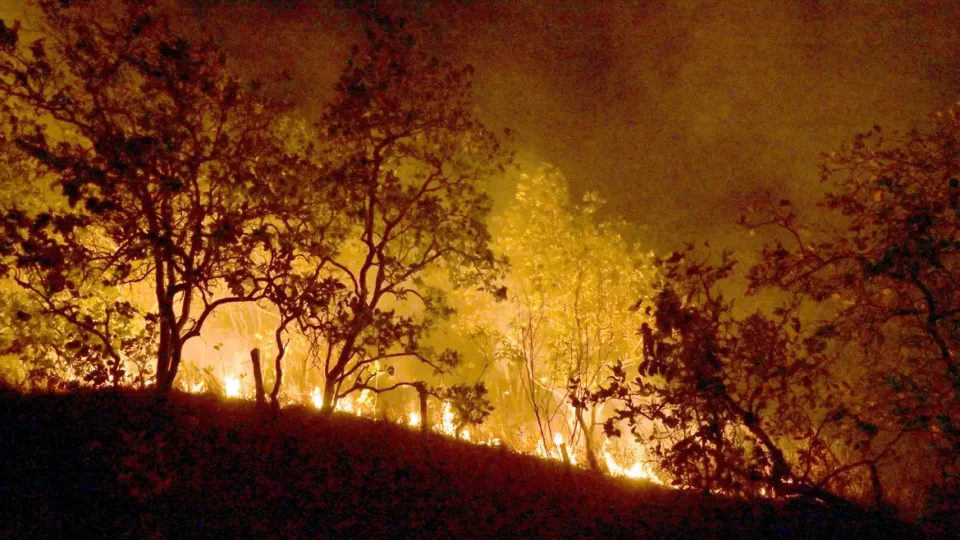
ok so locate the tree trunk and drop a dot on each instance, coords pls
(167, 367)
(878, 498)
(332, 380)
(424, 416)
(258, 377)
(278, 381)
(163, 359)
(176, 354)
(329, 394)
(592, 460)
(304, 371)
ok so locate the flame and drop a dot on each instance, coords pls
(231, 386)
(638, 471)
(555, 453)
(446, 425)
(364, 404)
(541, 450)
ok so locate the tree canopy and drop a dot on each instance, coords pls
(177, 189)
(407, 160)
(168, 165)
(848, 389)
(572, 278)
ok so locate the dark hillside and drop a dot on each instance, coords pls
(122, 465)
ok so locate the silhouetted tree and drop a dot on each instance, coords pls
(850, 388)
(881, 271)
(739, 404)
(406, 159)
(170, 170)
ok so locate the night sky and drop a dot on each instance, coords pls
(674, 111)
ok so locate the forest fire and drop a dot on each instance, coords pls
(231, 386)
(380, 252)
(639, 470)
(316, 397)
(364, 406)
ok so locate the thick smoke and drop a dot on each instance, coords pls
(673, 111)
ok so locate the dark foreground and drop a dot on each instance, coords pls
(130, 465)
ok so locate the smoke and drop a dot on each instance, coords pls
(673, 111)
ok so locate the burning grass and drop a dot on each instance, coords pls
(131, 464)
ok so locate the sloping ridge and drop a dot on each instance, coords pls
(130, 464)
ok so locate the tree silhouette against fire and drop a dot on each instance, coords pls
(146, 188)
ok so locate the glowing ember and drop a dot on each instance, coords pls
(231, 386)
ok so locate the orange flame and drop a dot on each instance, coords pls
(231, 386)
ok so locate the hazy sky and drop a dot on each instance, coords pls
(673, 111)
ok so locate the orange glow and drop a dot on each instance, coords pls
(638, 470)
(231, 386)
(363, 404)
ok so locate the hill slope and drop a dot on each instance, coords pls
(131, 464)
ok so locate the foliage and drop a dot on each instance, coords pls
(50, 353)
(469, 403)
(571, 281)
(731, 404)
(882, 271)
(849, 389)
(407, 159)
(168, 171)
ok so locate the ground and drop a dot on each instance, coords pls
(130, 464)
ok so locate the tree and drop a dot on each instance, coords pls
(407, 158)
(571, 281)
(169, 170)
(737, 404)
(848, 390)
(45, 349)
(881, 270)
